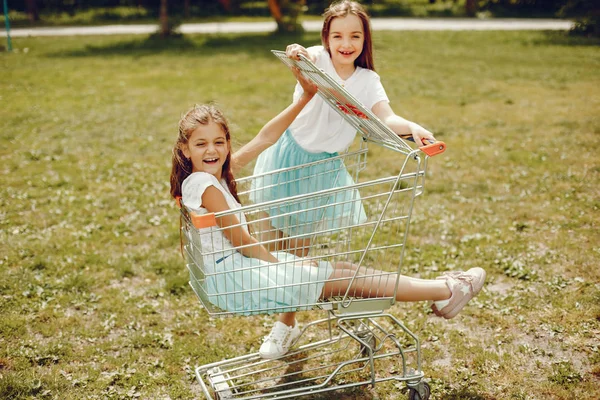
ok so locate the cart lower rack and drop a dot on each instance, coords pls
(342, 353)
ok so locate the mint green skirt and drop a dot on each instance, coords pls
(250, 286)
(305, 173)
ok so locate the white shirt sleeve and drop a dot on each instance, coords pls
(316, 52)
(375, 92)
(194, 186)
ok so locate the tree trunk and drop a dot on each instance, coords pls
(226, 4)
(275, 10)
(471, 7)
(33, 13)
(164, 19)
(287, 14)
(186, 9)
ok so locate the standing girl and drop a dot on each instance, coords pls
(319, 132)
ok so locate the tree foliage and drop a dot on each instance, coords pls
(586, 14)
(287, 13)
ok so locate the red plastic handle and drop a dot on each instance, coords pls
(431, 148)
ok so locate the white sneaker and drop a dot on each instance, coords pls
(279, 341)
(463, 286)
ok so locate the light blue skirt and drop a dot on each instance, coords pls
(303, 217)
(248, 286)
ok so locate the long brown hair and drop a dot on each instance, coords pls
(342, 9)
(181, 165)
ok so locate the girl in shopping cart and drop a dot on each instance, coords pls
(319, 132)
(262, 280)
(202, 175)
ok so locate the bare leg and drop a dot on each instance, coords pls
(373, 283)
(276, 240)
(299, 247)
(288, 318)
(271, 238)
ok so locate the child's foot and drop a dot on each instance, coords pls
(279, 341)
(463, 286)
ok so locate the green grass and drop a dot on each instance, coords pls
(93, 297)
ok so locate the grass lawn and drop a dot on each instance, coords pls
(94, 301)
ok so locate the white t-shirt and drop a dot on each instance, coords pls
(319, 128)
(214, 243)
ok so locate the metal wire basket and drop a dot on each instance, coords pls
(363, 223)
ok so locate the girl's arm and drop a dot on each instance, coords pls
(214, 201)
(272, 131)
(401, 126)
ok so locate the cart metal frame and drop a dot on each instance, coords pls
(347, 347)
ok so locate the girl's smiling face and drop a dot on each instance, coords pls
(208, 149)
(346, 39)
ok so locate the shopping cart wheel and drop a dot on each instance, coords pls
(419, 392)
(369, 338)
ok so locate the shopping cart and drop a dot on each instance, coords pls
(357, 342)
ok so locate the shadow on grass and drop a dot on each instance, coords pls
(295, 378)
(564, 38)
(464, 394)
(256, 44)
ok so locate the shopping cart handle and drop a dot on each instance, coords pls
(434, 147)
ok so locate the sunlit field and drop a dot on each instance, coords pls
(94, 298)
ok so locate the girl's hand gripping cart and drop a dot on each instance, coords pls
(361, 229)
